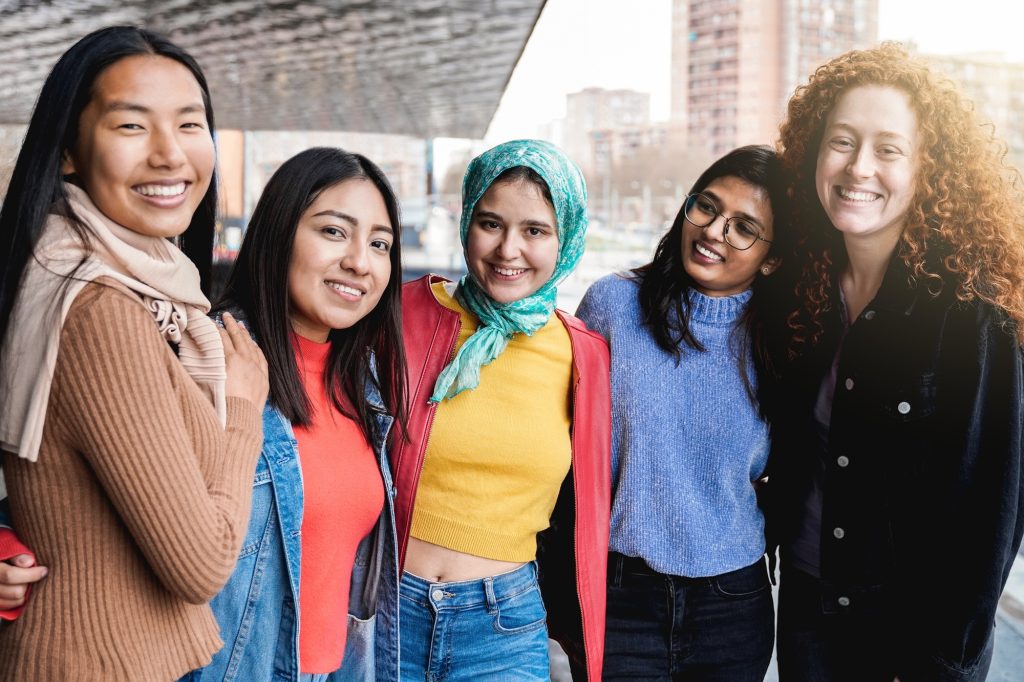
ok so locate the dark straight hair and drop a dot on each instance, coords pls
(258, 284)
(37, 185)
(665, 285)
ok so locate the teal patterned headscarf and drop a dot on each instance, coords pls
(500, 321)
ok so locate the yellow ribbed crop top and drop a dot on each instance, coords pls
(498, 454)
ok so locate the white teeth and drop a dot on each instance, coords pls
(161, 190)
(508, 272)
(344, 289)
(857, 196)
(707, 253)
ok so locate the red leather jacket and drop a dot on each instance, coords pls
(572, 554)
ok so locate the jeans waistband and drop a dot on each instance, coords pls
(620, 564)
(468, 593)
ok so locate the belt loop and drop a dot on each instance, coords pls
(492, 603)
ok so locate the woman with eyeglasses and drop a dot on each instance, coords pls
(688, 589)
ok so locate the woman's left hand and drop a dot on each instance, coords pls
(16, 575)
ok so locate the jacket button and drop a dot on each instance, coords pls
(869, 315)
(843, 601)
(903, 408)
(843, 461)
(849, 384)
(839, 533)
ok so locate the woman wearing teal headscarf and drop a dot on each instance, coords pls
(505, 464)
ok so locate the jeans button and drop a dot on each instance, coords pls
(839, 533)
(844, 601)
(437, 595)
(843, 461)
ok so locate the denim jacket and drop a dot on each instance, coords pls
(258, 609)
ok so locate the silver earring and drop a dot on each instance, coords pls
(765, 270)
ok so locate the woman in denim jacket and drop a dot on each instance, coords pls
(317, 279)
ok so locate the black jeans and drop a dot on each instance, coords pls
(821, 641)
(666, 627)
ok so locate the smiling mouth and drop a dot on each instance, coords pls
(861, 197)
(707, 253)
(174, 190)
(344, 288)
(508, 272)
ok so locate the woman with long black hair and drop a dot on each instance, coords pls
(688, 589)
(129, 425)
(318, 282)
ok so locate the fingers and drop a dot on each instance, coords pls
(243, 343)
(241, 339)
(23, 560)
(12, 596)
(225, 333)
(15, 579)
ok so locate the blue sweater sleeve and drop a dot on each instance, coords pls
(591, 310)
(594, 311)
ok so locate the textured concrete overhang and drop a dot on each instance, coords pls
(429, 68)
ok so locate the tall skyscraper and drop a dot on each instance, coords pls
(736, 62)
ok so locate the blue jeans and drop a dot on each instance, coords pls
(489, 629)
(667, 627)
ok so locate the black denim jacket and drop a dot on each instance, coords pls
(924, 491)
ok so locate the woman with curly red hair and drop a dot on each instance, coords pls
(897, 414)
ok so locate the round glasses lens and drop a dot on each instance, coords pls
(700, 210)
(740, 234)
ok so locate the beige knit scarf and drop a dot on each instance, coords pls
(164, 278)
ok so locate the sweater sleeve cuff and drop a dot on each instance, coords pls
(243, 415)
(11, 546)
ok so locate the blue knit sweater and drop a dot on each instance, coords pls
(686, 440)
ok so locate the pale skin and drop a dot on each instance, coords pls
(866, 171)
(513, 229)
(869, 149)
(16, 574)
(144, 128)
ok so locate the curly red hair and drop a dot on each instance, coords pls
(966, 219)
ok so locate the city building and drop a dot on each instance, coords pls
(736, 62)
(599, 109)
(997, 89)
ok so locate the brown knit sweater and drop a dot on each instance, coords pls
(138, 505)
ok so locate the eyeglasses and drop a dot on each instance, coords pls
(739, 233)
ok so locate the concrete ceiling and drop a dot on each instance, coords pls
(428, 68)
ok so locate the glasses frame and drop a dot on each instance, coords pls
(718, 214)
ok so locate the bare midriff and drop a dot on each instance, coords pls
(442, 565)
